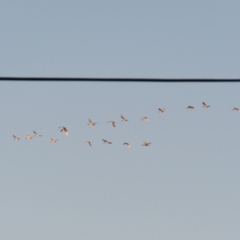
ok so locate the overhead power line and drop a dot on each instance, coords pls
(113, 79)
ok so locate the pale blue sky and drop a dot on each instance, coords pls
(184, 186)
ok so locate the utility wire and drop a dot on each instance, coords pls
(113, 79)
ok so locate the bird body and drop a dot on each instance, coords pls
(29, 136)
(16, 138)
(123, 118)
(106, 141)
(161, 110)
(37, 134)
(89, 143)
(145, 143)
(113, 123)
(91, 123)
(145, 119)
(127, 144)
(236, 109)
(53, 140)
(191, 107)
(205, 105)
(63, 129)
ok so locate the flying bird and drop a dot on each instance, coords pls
(191, 107)
(91, 123)
(161, 110)
(16, 138)
(236, 109)
(113, 123)
(205, 105)
(53, 140)
(89, 143)
(106, 141)
(127, 144)
(145, 119)
(29, 137)
(63, 129)
(123, 118)
(145, 143)
(37, 134)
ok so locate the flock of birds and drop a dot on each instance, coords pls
(91, 123)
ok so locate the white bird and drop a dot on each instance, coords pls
(105, 141)
(16, 138)
(145, 119)
(145, 143)
(29, 137)
(191, 107)
(53, 140)
(236, 109)
(89, 143)
(113, 123)
(123, 118)
(161, 110)
(127, 144)
(205, 105)
(37, 134)
(91, 123)
(63, 129)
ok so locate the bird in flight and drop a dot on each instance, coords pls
(63, 129)
(113, 123)
(236, 109)
(145, 119)
(89, 143)
(127, 144)
(37, 134)
(106, 141)
(29, 137)
(91, 123)
(123, 118)
(205, 105)
(191, 107)
(145, 143)
(16, 138)
(161, 110)
(53, 140)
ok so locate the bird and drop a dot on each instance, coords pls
(161, 110)
(16, 138)
(53, 140)
(37, 134)
(145, 119)
(127, 144)
(123, 118)
(106, 141)
(113, 123)
(191, 107)
(63, 129)
(29, 137)
(205, 105)
(91, 123)
(145, 143)
(89, 143)
(236, 109)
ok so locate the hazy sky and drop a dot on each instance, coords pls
(184, 186)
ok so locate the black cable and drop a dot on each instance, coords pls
(113, 79)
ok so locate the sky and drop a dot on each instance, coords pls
(184, 186)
